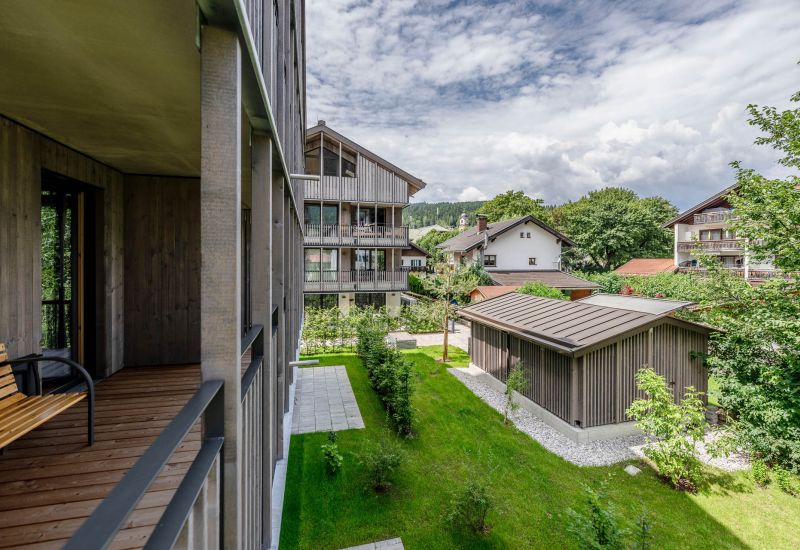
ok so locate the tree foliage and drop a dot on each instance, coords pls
(757, 357)
(613, 225)
(447, 283)
(535, 288)
(431, 240)
(447, 214)
(513, 204)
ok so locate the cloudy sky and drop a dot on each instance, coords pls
(554, 98)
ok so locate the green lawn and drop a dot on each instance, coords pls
(459, 438)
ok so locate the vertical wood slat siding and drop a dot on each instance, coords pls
(672, 358)
(23, 156)
(547, 376)
(600, 387)
(162, 270)
(486, 351)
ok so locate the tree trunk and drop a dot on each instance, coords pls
(444, 349)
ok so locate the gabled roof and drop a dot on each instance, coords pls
(647, 266)
(552, 278)
(493, 291)
(471, 238)
(419, 249)
(323, 127)
(572, 328)
(715, 200)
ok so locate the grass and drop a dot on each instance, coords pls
(459, 438)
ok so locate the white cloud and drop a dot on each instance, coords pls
(472, 194)
(554, 100)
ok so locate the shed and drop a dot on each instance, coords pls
(580, 359)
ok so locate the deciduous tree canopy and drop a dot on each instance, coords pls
(513, 204)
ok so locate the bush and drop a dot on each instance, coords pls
(381, 463)
(535, 288)
(390, 375)
(326, 330)
(415, 285)
(422, 317)
(470, 507)
(673, 429)
(786, 481)
(760, 473)
(515, 382)
(333, 459)
(597, 526)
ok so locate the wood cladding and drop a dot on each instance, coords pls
(162, 270)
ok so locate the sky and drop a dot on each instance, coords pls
(554, 98)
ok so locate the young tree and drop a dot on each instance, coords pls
(613, 225)
(513, 204)
(515, 382)
(448, 282)
(757, 357)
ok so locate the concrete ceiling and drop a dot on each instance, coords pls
(116, 80)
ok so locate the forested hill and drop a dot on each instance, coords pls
(422, 214)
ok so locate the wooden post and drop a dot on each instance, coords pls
(261, 282)
(220, 238)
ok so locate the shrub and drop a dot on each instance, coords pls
(760, 473)
(415, 285)
(333, 459)
(596, 526)
(470, 507)
(786, 481)
(380, 464)
(535, 288)
(673, 429)
(390, 375)
(515, 382)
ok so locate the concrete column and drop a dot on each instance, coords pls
(220, 238)
(260, 295)
(278, 292)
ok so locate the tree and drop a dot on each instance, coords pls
(434, 238)
(515, 382)
(448, 282)
(757, 357)
(613, 225)
(513, 204)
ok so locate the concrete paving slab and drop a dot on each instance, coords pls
(324, 401)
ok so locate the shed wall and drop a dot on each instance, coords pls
(488, 350)
(547, 374)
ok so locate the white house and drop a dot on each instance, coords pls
(516, 251)
(414, 258)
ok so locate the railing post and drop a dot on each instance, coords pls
(220, 238)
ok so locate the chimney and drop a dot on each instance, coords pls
(320, 122)
(481, 222)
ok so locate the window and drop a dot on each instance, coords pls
(311, 212)
(320, 264)
(521, 234)
(322, 301)
(331, 161)
(370, 260)
(531, 261)
(490, 260)
(416, 263)
(370, 216)
(529, 235)
(364, 299)
(348, 164)
(312, 159)
(330, 214)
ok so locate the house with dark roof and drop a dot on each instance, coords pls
(414, 258)
(517, 251)
(580, 358)
(706, 227)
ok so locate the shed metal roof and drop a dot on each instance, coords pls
(569, 327)
(656, 306)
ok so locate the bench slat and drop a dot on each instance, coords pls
(8, 401)
(5, 369)
(14, 430)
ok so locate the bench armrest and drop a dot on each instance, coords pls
(79, 369)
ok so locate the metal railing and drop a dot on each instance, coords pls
(255, 447)
(752, 273)
(354, 235)
(194, 513)
(713, 217)
(355, 280)
(711, 246)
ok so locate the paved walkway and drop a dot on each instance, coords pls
(459, 338)
(389, 544)
(324, 401)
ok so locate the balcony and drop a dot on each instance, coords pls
(713, 217)
(355, 235)
(753, 274)
(391, 189)
(355, 281)
(711, 246)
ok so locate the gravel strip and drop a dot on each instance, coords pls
(593, 453)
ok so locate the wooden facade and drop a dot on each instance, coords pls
(594, 385)
(185, 239)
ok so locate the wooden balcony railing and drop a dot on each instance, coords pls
(363, 189)
(354, 235)
(758, 274)
(711, 246)
(713, 217)
(355, 280)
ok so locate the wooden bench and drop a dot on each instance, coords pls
(21, 413)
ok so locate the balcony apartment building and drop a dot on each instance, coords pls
(354, 234)
(706, 227)
(150, 231)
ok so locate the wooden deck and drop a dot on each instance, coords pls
(50, 481)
